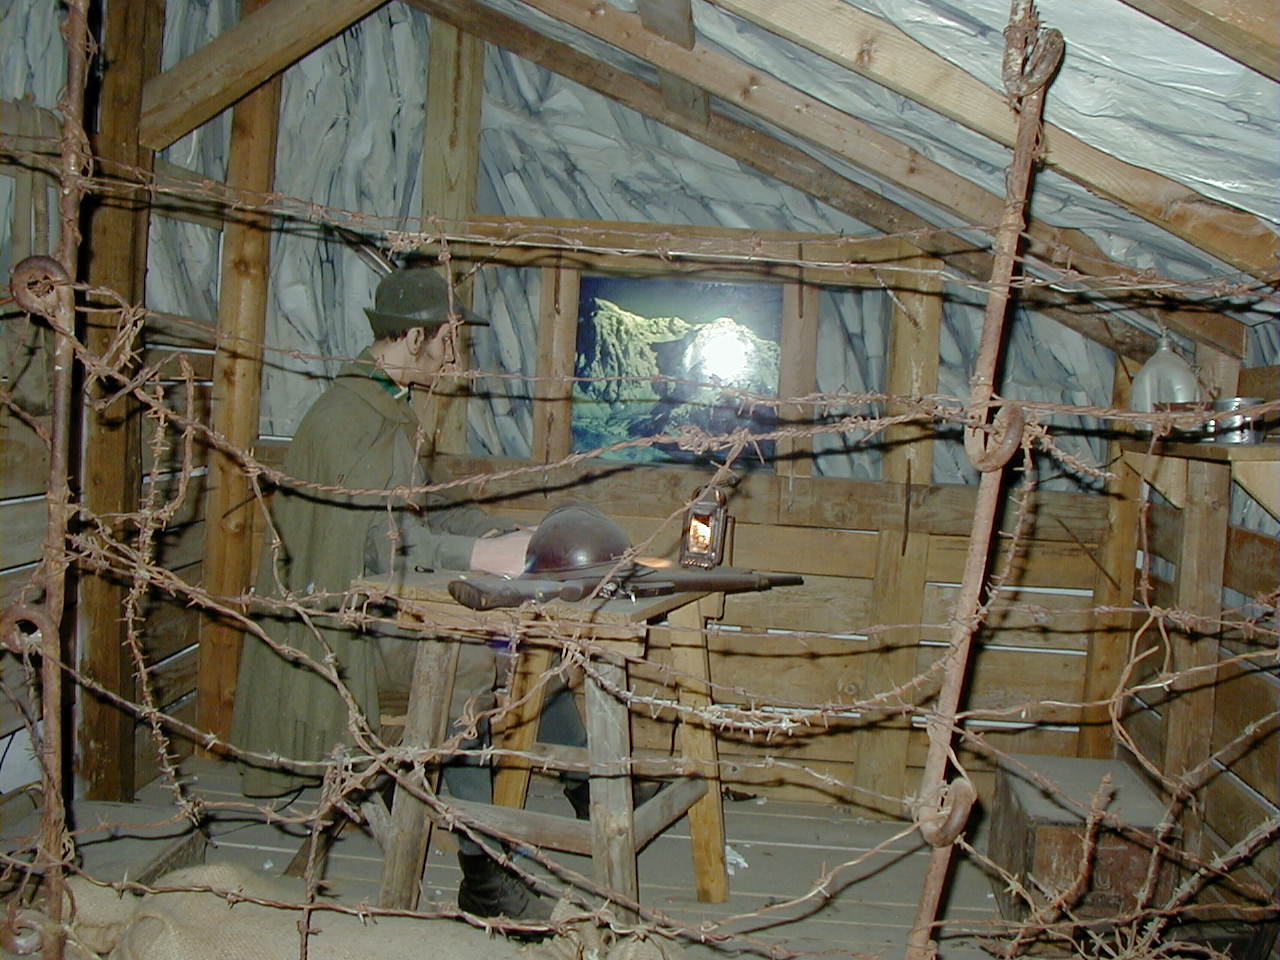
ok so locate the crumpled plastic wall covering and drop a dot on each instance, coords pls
(1131, 86)
(1108, 107)
(352, 138)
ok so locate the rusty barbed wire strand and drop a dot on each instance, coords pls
(126, 546)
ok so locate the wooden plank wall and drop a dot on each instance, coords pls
(1238, 703)
(824, 643)
(25, 372)
(24, 477)
(182, 349)
(795, 648)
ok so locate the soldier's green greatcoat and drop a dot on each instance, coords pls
(357, 435)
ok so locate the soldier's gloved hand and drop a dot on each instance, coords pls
(503, 554)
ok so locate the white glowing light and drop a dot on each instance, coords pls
(725, 353)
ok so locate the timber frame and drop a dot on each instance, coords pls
(882, 554)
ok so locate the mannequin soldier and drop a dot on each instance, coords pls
(361, 434)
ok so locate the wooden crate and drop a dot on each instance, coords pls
(1038, 835)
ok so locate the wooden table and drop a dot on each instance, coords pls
(612, 631)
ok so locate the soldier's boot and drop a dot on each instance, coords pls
(489, 889)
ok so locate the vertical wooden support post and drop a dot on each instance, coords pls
(404, 860)
(1109, 633)
(799, 374)
(237, 395)
(1206, 515)
(557, 351)
(690, 661)
(520, 728)
(1201, 559)
(112, 473)
(898, 596)
(450, 159)
(674, 22)
(613, 840)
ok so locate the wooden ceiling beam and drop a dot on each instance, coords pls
(881, 52)
(783, 162)
(1247, 31)
(861, 145)
(222, 71)
(673, 20)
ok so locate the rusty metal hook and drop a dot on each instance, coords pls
(34, 282)
(12, 639)
(944, 810)
(1023, 77)
(989, 454)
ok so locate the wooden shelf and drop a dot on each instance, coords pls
(1255, 466)
(1266, 451)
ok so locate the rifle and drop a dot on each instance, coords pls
(484, 592)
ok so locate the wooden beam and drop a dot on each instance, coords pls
(785, 163)
(222, 71)
(798, 374)
(1201, 564)
(673, 20)
(797, 168)
(112, 469)
(653, 248)
(1247, 31)
(878, 50)
(450, 162)
(237, 396)
(1259, 382)
(691, 668)
(902, 554)
(1111, 629)
(557, 333)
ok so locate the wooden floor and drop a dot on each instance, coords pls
(780, 851)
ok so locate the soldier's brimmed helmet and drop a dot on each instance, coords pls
(573, 538)
(414, 297)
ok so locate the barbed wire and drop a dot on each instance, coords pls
(127, 549)
(99, 545)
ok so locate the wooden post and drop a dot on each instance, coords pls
(557, 346)
(1201, 559)
(613, 840)
(799, 374)
(898, 597)
(237, 396)
(674, 21)
(1201, 564)
(450, 159)
(1109, 633)
(112, 470)
(426, 723)
(520, 730)
(691, 664)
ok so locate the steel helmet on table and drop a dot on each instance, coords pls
(574, 537)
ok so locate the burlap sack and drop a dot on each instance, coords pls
(203, 926)
(584, 938)
(98, 915)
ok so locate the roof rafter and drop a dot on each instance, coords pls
(779, 160)
(268, 41)
(860, 144)
(222, 71)
(881, 52)
(673, 20)
(1247, 31)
